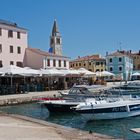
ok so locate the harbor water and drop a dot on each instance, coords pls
(119, 128)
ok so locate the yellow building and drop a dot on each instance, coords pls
(136, 60)
(92, 63)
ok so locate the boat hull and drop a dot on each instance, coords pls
(108, 116)
(118, 110)
(60, 107)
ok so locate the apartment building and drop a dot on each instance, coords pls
(13, 42)
(92, 63)
(120, 63)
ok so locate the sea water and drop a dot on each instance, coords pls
(119, 128)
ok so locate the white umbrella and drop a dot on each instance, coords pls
(31, 72)
(12, 70)
(107, 73)
(136, 74)
(51, 72)
(104, 73)
(70, 72)
(86, 72)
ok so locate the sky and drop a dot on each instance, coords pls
(87, 26)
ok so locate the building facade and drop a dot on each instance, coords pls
(13, 43)
(36, 58)
(136, 60)
(120, 63)
(92, 63)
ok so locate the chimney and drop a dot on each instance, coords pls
(130, 51)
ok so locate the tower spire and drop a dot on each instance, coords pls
(55, 31)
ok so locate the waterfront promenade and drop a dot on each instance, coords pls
(16, 127)
(32, 96)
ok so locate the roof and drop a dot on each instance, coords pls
(121, 53)
(9, 23)
(55, 30)
(44, 53)
(91, 57)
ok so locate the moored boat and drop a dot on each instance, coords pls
(59, 104)
(109, 108)
(132, 87)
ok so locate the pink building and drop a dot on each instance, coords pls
(35, 58)
(13, 42)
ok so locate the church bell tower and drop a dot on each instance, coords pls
(55, 40)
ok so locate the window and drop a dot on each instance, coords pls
(79, 64)
(19, 64)
(101, 63)
(97, 63)
(10, 33)
(0, 31)
(84, 64)
(89, 63)
(59, 62)
(76, 64)
(110, 60)
(120, 68)
(64, 63)
(11, 62)
(0, 48)
(58, 40)
(18, 35)
(48, 62)
(54, 63)
(19, 50)
(52, 41)
(120, 59)
(11, 49)
(97, 70)
(1, 65)
(111, 69)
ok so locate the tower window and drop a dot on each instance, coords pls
(10, 33)
(52, 41)
(58, 40)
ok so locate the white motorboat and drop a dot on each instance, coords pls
(59, 104)
(132, 87)
(109, 108)
(80, 91)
